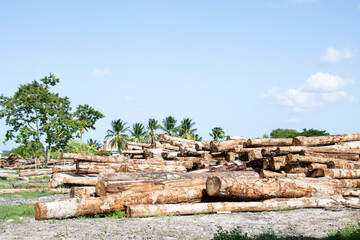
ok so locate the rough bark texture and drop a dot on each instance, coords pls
(337, 173)
(91, 158)
(254, 188)
(74, 207)
(345, 156)
(28, 190)
(60, 179)
(325, 140)
(34, 172)
(268, 142)
(270, 174)
(81, 192)
(205, 208)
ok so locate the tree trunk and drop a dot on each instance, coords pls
(262, 142)
(34, 172)
(90, 158)
(254, 188)
(82, 192)
(343, 164)
(203, 146)
(27, 190)
(206, 208)
(60, 179)
(8, 175)
(105, 188)
(276, 163)
(270, 174)
(30, 184)
(296, 167)
(337, 173)
(74, 207)
(344, 156)
(214, 145)
(287, 150)
(64, 169)
(314, 166)
(325, 140)
(334, 149)
(310, 159)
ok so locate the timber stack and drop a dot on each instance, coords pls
(179, 176)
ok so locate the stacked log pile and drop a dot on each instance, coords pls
(239, 174)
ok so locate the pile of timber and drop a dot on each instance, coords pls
(239, 174)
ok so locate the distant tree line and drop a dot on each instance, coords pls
(291, 133)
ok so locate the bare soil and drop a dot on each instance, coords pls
(304, 222)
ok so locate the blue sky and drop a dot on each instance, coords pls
(246, 66)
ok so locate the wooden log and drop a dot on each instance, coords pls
(336, 173)
(203, 146)
(266, 164)
(333, 149)
(34, 172)
(344, 156)
(105, 188)
(74, 207)
(236, 138)
(261, 142)
(268, 151)
(254, 154)
(351, 193)
(343, 165)
(171, 155)
(295, 175)
(296, 167)
(169, 176)
(30, 184)
(227, 148)
(325, 140)
(60, 179)
(132, 152)
(153, 153)
(214, 145)
(164, 138)
(276, 163)
(230, 157)
(64, 169)
(314, 166)
(169, 147)
(31, 190)
(91, 158)
(82, 192)
(147, 210)
(264, 188)
(152, 168)
(8, 175)
(270, 174)
(310, 159)
(287, 150)
(232, 166)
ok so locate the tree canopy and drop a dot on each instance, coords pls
(36, 114)
(291, 133)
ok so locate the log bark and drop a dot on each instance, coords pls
(314, 166)
(334, 149)
(91, 158)
(169, 176)
(152, 168)
(262, 142)
(164, 138)
(8, 175)
(296, 167)
(203, 146)
(34, 172)
(74, 207)
(254, 154)
(148, 210)
(264, 188)
(82, 192)
(287, 150)
(64, 169)
(105, 188)
(325, 140)
(344, 156)
(270, 174)
(343, 164)
(276, 163)
(310, 159)
(337, 173)
(214, 145)
(171, 155)
(60, 179)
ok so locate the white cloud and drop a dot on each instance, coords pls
(333, 55)
(100, 72)
(326, 82)
(128, 98)
(318, 90)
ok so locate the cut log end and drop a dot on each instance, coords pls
(213, 185)
(100, 189)
(40, 212)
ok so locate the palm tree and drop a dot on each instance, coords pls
(186, 129)
(217, 133)
(94, 143)
(118, 134)
(138, 132)
(169, 125)
(152, 126)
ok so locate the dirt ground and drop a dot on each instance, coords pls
(304, 222)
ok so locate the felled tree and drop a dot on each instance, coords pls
(36, 114)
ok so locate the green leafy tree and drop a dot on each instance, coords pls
(138, 133)
(186, 129)
(314, 132)
(87, 116)
(36, 114)
(284, 133)
(29, 150)
(94, 143)
(217, 133)
(152, 126)
(117, 134)
(169, 125)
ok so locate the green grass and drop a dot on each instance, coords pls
(350, 232)
(115, 215)
(17, 211)
(36, 194)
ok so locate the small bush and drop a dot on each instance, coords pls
(103, 153)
